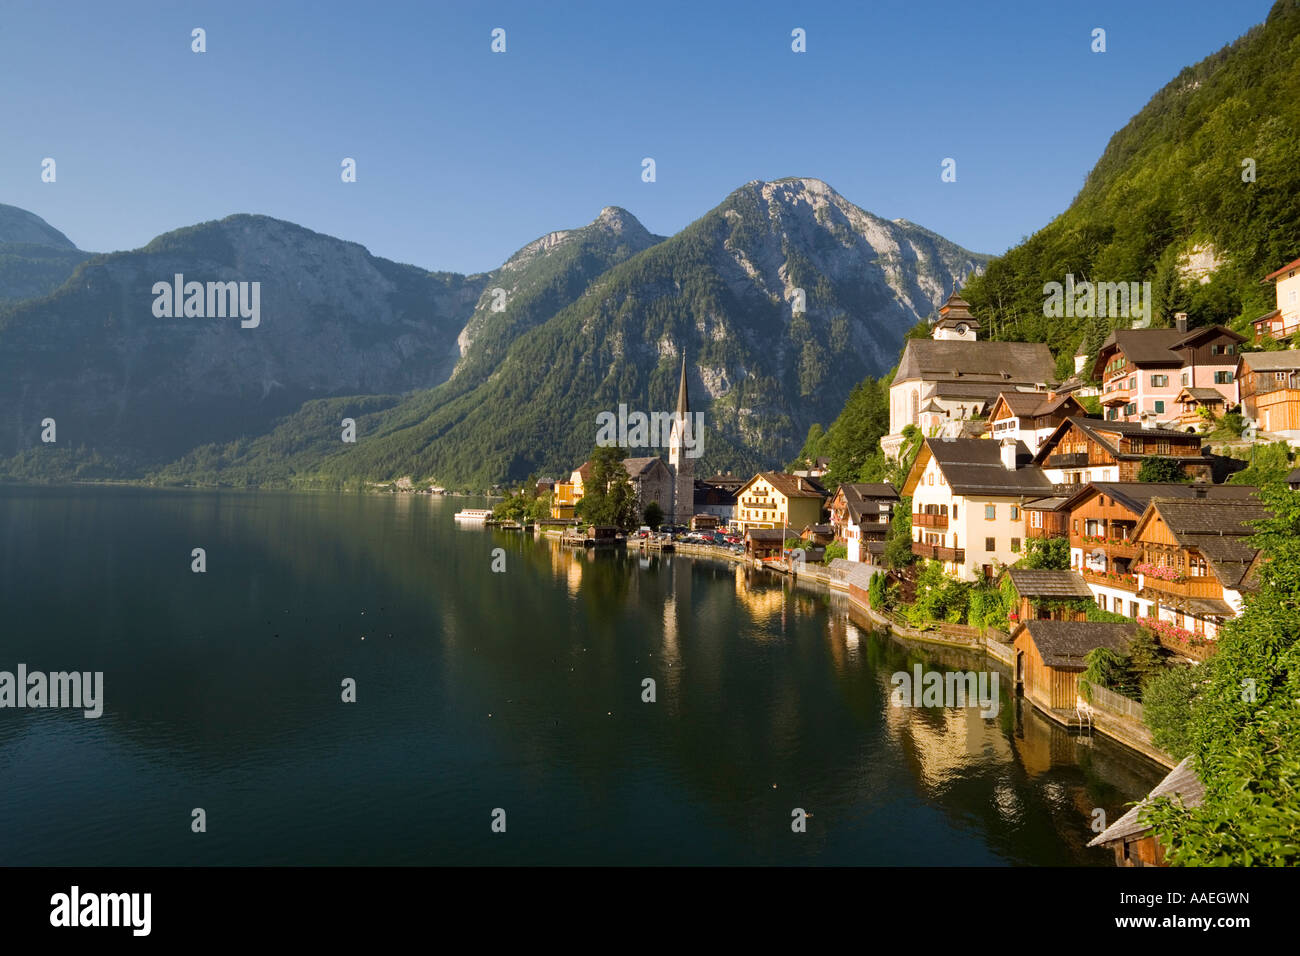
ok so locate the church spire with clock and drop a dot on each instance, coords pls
(955, 320)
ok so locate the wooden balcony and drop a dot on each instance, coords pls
(930, 521)
(1124, 582)
(1207, 586)
(1078, 459)
(1116, 396)
(936, 553)
(1115, 547)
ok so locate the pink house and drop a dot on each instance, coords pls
(1143, 370)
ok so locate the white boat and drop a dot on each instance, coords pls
(473, 514)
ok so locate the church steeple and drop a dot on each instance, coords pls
(679, 461)
(683, 401)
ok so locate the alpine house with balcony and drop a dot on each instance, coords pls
(967, 495)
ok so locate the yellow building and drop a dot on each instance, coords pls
(1283, 321)
(563, 498)
(774, 499)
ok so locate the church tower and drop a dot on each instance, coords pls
(679, 463)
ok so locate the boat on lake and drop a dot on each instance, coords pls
(473, 514)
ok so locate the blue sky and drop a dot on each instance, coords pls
(464, 155)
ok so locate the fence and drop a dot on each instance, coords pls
(1117, 704)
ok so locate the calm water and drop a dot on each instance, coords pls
(478, 690)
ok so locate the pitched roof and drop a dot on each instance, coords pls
(1136, 495)
(1102, 431)
(639, 466)
(1030, 582)
(1064, 644)
(1294, 477)
(973, 466)
(1211, 395)
(1277, 272)
(766, 534)
(1035, 404)
(1020, 363)
(792, 486)
(1181, 782)
(866, 498)
(1284, 361)
(1220, 530)
(1156, 348)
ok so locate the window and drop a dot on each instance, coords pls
(931, 478)
(942, 479)
(1159, 381)
(990, 544)
(1015, 513)
(990, 513)
(1015, 545)
(1133, 383)
(1035, 519)
(1112, 414)
(1222, 378)
(1075, 524)
(1160, 407)
(1118, 605)
(1196, 566)
(954, 516)
(1133, 609)
(1187, 378)
(1131, 408)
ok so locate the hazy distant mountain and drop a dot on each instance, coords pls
(722, 290)
(35, 258)
(140, 390)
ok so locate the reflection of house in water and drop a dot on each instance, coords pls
(757, 595)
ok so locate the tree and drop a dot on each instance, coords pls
(1243, 718)
(1166, 709)
(898, 539)
(836, 549)
(1157, 468)
(608, 497)
(654, 515)
(1106, 668)
(1046, 554)
(1146, 659)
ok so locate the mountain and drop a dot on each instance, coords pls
(721, 291)
(1171, 201)
(35, 258)
(129, 390)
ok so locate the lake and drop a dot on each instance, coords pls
(478, 691)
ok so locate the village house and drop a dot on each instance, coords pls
(764, 543)
(966, 499)
(1282, 322)
(1031, 417)
(1142, 370)
(1270, 390)
(1101, 520)
(1198, 410)
(1088, 449)
(1050, 657)
(953, 376)
(774, 499)
(1135, 843)
(1195, 557)
(1048, 595)
(861, 513)
(716, 501)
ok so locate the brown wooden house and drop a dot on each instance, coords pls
(1049, 657)
(1046, 595)
(1088, 449)
(1270, 389)
(1196, 555)
(1135, 843)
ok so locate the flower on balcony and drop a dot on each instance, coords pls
(1171, 631)
(1160, 572)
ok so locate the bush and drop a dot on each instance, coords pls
(1167, 709)
(836, 549)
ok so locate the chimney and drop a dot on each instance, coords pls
(1180, 321)
(1199, 490)
(1009, 454)
(1148, 420)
